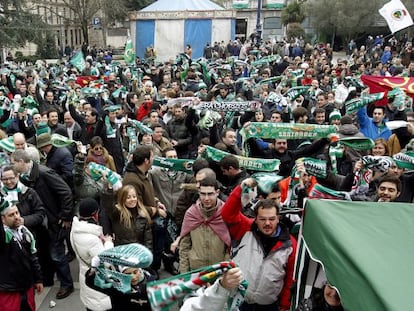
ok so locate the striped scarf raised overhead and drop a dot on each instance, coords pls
(165, 293)
(322, 192)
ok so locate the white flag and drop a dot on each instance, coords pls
(396, 15)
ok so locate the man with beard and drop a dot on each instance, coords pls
(389, 188)
(279, 150)
(263, 249)
(20, 274)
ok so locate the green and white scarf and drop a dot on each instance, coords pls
(58, 141)
(405, 160)
(254, 164)
(266, 181)
(295, 92)
(165, 293)
(321, 192)
(142, 128)
(109, 273)
(97, 171)
(286, 130)
(183, 165)
(229, 106)
(26, 235)
(355, 104)
(110, 131)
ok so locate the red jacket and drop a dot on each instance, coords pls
(239, 225)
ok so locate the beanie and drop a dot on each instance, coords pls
(335, 114)
(42, 127)
(88, 207)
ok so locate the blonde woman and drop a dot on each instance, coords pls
(131, 221)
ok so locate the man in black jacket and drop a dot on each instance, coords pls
(58, 202)
(20, 273)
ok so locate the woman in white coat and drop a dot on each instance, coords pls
(87, 240)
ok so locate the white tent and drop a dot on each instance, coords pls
(169, 25)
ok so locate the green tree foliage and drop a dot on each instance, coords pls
(295, 30)
(346, 18)
(293, 13)
(17, 24)
(85, 10)
(46, 47)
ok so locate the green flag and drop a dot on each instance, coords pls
(78, 61)
(129, 54)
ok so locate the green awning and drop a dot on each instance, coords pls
(275, 6)
(366, 251)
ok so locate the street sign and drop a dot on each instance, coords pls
(96, 21)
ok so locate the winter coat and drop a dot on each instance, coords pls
(270, 276)
(211, 298)
(167, 186)
(53, 191)
(134, 301)
(133, 176)
(85, 186)
(61, 161)
(369, 128)
(20, 266)
(140, 231)
(86, 243)
(30, 206)
(201, 246)
(177, 130)
(113, 144)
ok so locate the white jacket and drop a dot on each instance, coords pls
(213, 298)
(86, 243)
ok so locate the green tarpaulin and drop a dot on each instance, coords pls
(366, 251)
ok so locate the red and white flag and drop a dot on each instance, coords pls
(396, 15)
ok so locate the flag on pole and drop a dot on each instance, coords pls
(78, 61)
(396, 15)
(129, 54)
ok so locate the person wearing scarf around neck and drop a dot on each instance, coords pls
(205, 239)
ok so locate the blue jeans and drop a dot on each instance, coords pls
(57, 253)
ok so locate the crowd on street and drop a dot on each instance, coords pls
(193, 164)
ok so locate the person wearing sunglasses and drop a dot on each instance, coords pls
(98, 154)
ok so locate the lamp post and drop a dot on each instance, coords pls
(62, 36)
(258, 23)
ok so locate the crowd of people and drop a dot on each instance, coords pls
(193, 159)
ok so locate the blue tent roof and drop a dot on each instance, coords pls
(182, 5)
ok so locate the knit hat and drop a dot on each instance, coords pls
(7, 144)
(202, 85)
(132, 255)
(88, 207)
(112, 108)
(43, 140)
(5, 204)
(335, 114)
(42, 128)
